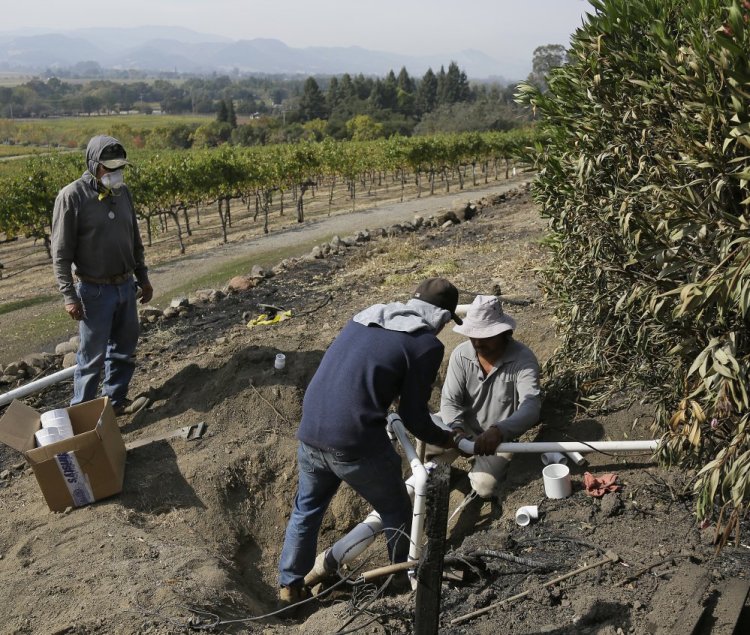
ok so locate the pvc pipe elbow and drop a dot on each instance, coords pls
(525, 514)
(554, 457)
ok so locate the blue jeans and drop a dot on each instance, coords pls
(109, 334)
(378, 479)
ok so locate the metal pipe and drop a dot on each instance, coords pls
(37, 385)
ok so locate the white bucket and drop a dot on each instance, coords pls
(557, 481)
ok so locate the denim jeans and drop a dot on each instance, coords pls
(109, 334)
(378, 479)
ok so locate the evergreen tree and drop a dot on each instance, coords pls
(427, 92)
(405, 82)
(313, 103)
(231, 115)
(222, 114)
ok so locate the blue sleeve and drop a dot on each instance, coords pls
(415, 395)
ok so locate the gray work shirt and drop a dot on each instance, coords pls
(99, 237)
(508, 397)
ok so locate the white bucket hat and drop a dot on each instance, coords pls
(485, 318)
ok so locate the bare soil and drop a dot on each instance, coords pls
(194, 538)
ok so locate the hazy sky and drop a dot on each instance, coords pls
(500, 28)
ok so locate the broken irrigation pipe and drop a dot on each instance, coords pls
(37, 385)
(610, 557)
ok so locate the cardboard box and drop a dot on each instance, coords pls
(76, 471)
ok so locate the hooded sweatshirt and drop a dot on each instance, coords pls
(97, 236)
(384, 352)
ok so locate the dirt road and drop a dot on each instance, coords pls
(41, 326)
(299, 239)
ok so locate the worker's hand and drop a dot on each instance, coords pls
(487, 442)
(451, 441)
(147, 292)
(458, 435)
(75, 310)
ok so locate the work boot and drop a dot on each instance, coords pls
(293, 594)
(129, 407)
(324, 568)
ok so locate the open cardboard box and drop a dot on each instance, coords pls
(76, 471)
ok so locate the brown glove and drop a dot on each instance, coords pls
(487, 442)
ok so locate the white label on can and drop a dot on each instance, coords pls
(77, 482)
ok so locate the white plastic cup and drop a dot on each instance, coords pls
(556, 478)
(47, 436)
(525, 514)
(280, 361)
(554, 457)
(53, 417)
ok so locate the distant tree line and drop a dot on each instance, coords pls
(270, 109)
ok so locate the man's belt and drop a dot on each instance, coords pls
(119, 279)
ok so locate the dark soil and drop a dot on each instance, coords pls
(195, 536)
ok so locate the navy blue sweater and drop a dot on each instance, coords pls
(361, 373)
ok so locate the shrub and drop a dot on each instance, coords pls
(644, 179)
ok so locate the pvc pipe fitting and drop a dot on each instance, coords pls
(280, 361)
(577, 458)
(525, 514)
(557, 481)
(554, 457)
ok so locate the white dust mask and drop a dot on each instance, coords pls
(113, 180)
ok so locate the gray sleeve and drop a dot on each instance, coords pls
(140, 270)
(452, 394)
(529, 407)
(64, 239)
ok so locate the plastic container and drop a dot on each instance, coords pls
(47, 436)
(557, 481)
(280, 362)
(58, 419)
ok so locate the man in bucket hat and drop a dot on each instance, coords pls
(491, 390)
(386, 352)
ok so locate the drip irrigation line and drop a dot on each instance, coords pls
(490, 553)
(328, 298)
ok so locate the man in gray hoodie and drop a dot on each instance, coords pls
(95, 238)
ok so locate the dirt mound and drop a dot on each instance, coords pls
(196, 533)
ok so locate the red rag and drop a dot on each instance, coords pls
(599, 485)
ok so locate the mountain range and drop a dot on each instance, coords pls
(175, 49)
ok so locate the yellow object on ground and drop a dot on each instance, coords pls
(264, 319)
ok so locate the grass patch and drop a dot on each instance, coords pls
(9, 307)
(47, 328)
(240, 266)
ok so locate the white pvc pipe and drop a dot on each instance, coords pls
(576, 457)
(467, 446)
(419, 474)
(36, 386)
(351, 545)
